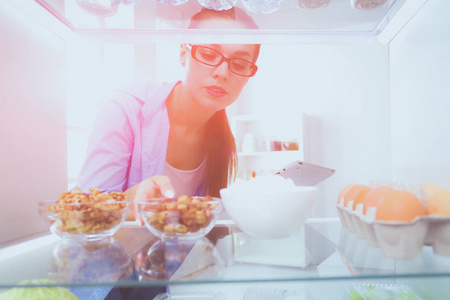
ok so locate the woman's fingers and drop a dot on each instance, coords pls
(153, 187)
(164, 185)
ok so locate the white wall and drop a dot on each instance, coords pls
(344, 92)
(32, 122)
(420, 97)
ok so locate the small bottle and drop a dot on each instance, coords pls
(248, 174)
(248, 143)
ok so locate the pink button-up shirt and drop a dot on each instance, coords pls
(129, 139)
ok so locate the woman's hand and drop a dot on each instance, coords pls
(153, 187)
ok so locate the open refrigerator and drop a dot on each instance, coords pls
(357, 86)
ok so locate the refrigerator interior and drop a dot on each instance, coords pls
(373, 101)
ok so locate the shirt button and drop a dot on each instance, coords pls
(146, 165)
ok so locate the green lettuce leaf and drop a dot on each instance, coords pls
(371, 294)
(38, 293)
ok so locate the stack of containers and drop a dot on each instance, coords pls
(399, 220)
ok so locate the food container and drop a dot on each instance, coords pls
(262, 6)
(355, 216)
(367, 226)
(401, 239)
(101, 8)
(267, 207)
(180, 219)
(348, 216)
(102, 260)
(217, 4)
(438, 234)
(340, 210)
(404, 239)
(356, 253)
(289, 252)
(181, 260)
(82, 216)
(276, 145)
(397, 239)
(312, 4)
(367, 4)
(291, 145)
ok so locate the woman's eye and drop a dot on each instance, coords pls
(240, 65)
(209, 55)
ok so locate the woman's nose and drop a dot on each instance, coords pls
(221, 70)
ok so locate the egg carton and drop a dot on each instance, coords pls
(397, 239)
(357, 255)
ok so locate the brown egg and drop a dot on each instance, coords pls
(353, 192)
(430, 189)
(359, 199)
(439, 203)
(345, 190)
(400, 205)
(375, 196)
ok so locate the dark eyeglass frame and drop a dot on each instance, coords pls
(193, 49)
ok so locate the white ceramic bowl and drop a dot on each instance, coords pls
(269, 213)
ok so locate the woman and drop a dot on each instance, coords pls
(173, 138)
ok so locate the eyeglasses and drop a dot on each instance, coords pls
(213, 58)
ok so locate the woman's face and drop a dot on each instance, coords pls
(215, 87)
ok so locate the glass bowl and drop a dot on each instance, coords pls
(262, 6)
(100, 8)
(181, 260)
(312, 4)
(102, 260)
(89, 220)
(180, 219)
(367, 4)
(217, 4)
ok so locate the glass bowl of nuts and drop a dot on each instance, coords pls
(181, 218)
(84, 216)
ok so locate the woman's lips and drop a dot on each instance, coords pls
(216, 91)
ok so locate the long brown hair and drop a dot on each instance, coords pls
(222, 161)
